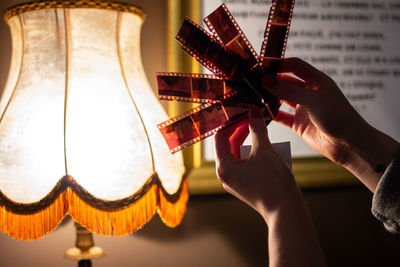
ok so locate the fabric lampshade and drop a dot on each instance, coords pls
(78, 130)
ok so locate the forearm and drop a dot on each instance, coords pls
(292, 240)
(371, 152)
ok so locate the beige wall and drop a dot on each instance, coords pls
(216, 230)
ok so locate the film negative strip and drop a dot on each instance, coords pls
(226, 30)
(194, 88)
(276, 35)
(199, 123)
(201, 45)
(225, 97)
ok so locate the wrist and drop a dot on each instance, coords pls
(371, 151)
(289, 203)
(289, 246)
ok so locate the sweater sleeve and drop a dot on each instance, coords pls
(386, 200)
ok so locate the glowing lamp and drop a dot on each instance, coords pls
(78, 130)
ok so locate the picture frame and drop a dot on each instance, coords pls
(309, 172)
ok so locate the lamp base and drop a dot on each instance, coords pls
(79, 254)
(84, 246)
(84, 263)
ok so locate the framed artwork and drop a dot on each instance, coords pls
(357, 49)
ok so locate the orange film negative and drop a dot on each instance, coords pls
(276, 35)
(194, 88)
(226, 30)
(199, 123)
(236, 86)
(202, 46)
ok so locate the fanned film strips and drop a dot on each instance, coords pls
(235, 87)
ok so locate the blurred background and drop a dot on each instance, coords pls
(218, 230)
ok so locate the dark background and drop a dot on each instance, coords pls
(219, 230)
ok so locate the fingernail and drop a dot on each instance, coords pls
(255, 112)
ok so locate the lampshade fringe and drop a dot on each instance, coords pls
(111, 223)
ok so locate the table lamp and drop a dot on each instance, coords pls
(78, 120)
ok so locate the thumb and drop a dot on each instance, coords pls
(258, 130)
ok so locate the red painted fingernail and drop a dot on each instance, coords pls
(255, 112)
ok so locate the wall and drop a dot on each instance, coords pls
(217, 230)
(222, 231)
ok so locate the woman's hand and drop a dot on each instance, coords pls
(328, 123)
(263, 181)
(322, 115)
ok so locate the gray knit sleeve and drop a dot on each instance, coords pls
(386, 200)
